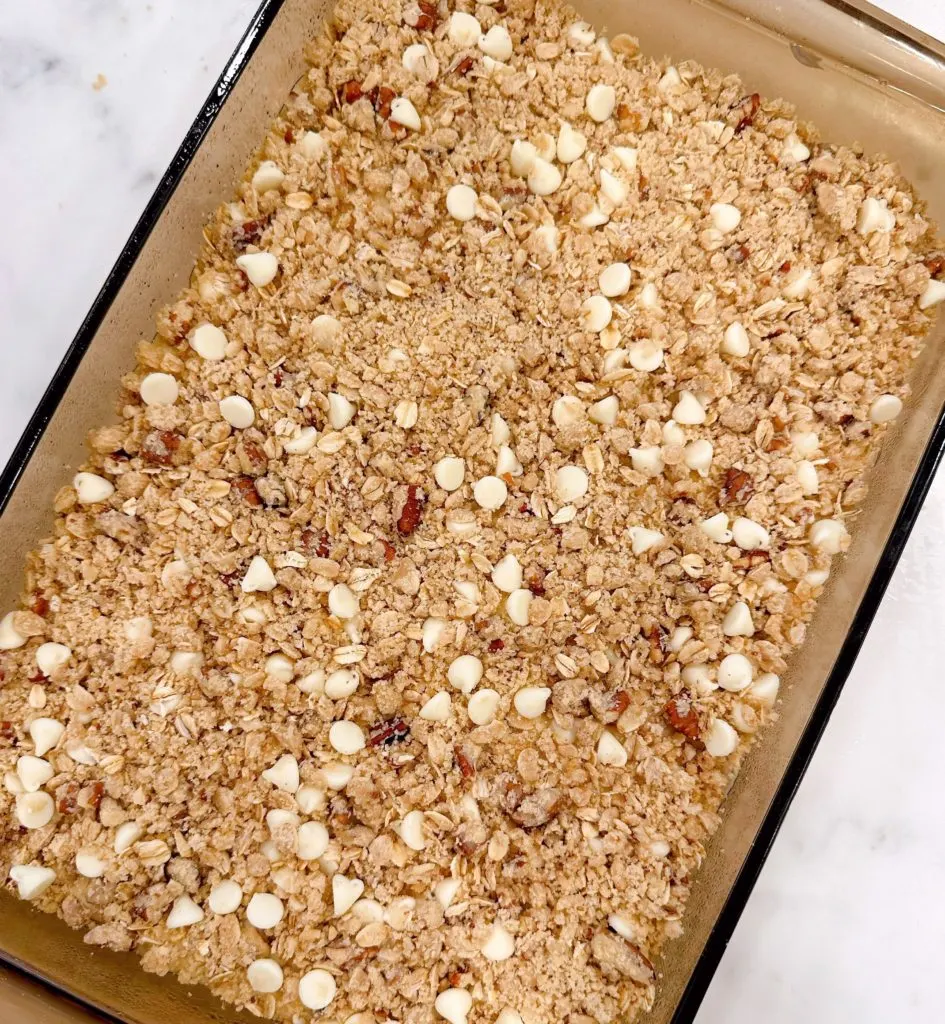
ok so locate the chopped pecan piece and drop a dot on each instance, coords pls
(465, 762)
(608, 707)
(538, 808)
(746, 110)
(386, 734)
(410, 514)
(617, 956)
(351, 91)
(248, 233)
(245, 487)
(682, 716)
(463, 66)
(160, 446)
(737, 487)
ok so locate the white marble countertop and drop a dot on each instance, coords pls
(842, 925)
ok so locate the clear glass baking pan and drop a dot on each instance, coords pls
(860, 76)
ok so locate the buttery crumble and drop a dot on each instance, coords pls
(393, 654)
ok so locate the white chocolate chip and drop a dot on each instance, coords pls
(186, 663)
(874, 215)
(581, 35)
(571, 483)
(464, 30)
(337, 776)
(159, 389)
(522, 158)
(34, 810)
(807, 477)
(225, 897)
(482, 706)
(31, 880)
(499, 944)
(544, 178)
(302, 443)
(33, 772)
(507, 574)
(437, 708)
(279, 668)
(259, 576)
(184, 913)
(490, 493)
(670, 80)
(698, 456)
(626, 157)
(345, 893)
(454, 1004)
(209, 342)
(642, 539)
(612, 188)
(749, 535)
(805, 442)
(284, 774)
(622, 927)
(679, 636)
(317, 989)
(410, 830)
(90, 488)
(445, 891)
(264, 910)
(794, 151)
(610, 750)
(688, 410)
(465, 672)
(89, 864)
(45, 734)
(432, 633)
(461, 202)
(594, 218)
(645, 356)
(605, 411)
(933, 294)
(716, 528)
(648, 460)
(615, 280)
(737, 621)
(571, 144)
(342, 601)
(126, 835)
(798, 284)
(567, 410)
(341, 683)
(885, 408)
(765, 689)
(259, 267)
(346, 737)
(507, 462)
(264, 975)
(402, 111)
(720, 739)
(312, 146)
(340, 411)
(312, 840)
(450, 472)
(50, 657)
(10, 640)
(139, 628)
(699, 679)
(735, 340)
(649, 297)
(531, 701)
(267, 176)
(600, 102)
(497, 43)
(725, 217)
(237, 411)
(735, 672)
(518, 605)
(310, 799)
(829, 536)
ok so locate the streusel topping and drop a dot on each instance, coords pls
(394, 651)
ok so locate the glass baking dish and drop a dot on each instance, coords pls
(860, 76)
